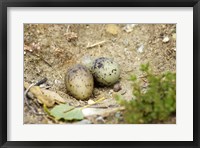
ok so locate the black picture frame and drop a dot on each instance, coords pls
(99, 3)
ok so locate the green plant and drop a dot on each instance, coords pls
(154, 97)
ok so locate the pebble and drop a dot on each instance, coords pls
(42, 85)
(112, 29)
(91, 101)
(96, 92)
(117, 115)
(126, 42)
(57, 82)
(174, 35)
(84, 122)
(129, 28)
(100, 119)
(110, 92)
(140, 49)
(117, 87)
(165, 39)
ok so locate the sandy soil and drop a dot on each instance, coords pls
(51, 49)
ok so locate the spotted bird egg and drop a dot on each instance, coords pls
(106, 71)
(79, 82)
(87, 61)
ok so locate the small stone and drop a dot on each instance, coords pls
(174, 35)
(100, 119)
(126, 42)
(117, 87)
(110, 92)
(117, 115)
(57, 82)
(140, 49)
(129, 28)
(91, 101)
(112, 29)
(96, 92)
(42, 85)
(163, 26)
(84, 122)
(165, 39)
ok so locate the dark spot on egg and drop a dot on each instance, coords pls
(75, 70)
(114, 70)
(100, 65)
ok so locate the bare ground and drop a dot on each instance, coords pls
(50, 49)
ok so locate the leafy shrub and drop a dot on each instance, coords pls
(154, 103)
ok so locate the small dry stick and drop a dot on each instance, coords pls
(41, 58)
(68, 28)
(96, 44)
(99, 100)
(26, 99)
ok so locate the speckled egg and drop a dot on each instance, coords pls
(106, 71)
(87, 61)
(79, 82)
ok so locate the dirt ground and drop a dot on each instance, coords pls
(51, 49)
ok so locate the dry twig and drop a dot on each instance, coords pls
(96, 44)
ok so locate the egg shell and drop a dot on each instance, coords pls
(79, 82)
(106, 71)
(87, 61)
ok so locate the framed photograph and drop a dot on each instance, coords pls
(99, 74)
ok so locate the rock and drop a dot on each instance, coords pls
(100, 119)
(174, 35)
(117, 115)
(165, 39)
(85, 121)
(112, 29)
(140, 49)
(129, 28)
(117, 87)
(91, 101)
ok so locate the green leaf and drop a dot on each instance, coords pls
(66, 112)
(144, 67)
(133, 78)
